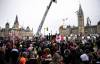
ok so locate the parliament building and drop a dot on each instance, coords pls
(16, 31)
(80, 29)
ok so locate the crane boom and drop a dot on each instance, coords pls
(43, 19)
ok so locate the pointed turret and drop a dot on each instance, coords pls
(27, 29)
(16, 23)
(7, 25)
(80, 12)
(16, 20)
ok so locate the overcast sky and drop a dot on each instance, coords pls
(30, 12)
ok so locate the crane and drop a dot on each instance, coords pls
(43, 19)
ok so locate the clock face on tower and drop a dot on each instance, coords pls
(80, 16)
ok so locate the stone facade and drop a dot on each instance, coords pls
(64, 31)
(85, 30)
(94, 29)
(16, 31)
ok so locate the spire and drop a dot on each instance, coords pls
(16, 20)
(80, 12)
(16, 23)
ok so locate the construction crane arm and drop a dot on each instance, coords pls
(43, 19)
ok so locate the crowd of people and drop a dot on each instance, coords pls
(80, 50)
